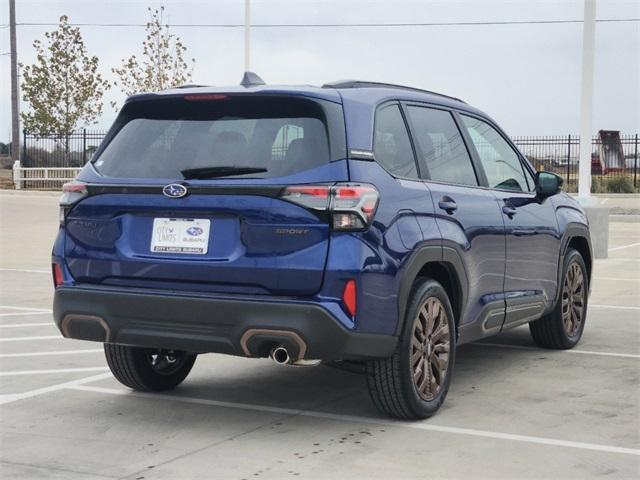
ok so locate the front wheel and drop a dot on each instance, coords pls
(413, 383)
(563, 327)
(148, 369)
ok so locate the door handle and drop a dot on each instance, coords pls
(448, 205)
(509, 211)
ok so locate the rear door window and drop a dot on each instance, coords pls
(443, 152)
(160, 138)
(391, 144)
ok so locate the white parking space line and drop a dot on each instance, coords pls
(55, 370)
(617, 259)
(24, 339)
(25, 314)
(614, 249)
(26, 309)
(47, 354)
(20, 325)
(573, 350)
(13, 397)
(368, 420)
(24, 270)
(614, 307)
(618, 279)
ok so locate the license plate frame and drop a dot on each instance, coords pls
(188, 236)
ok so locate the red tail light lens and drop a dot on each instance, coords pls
(352, 206)
(58, 276)
(201, 97)
(315, 197)
(349, 297)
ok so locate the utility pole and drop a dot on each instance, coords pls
(15, 125)
(586, 102)
(247, 35)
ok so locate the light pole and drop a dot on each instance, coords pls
(597, 213)
(15, 121)
(586, 102)
(247, 35)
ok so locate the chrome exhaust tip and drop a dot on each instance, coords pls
(280, 355)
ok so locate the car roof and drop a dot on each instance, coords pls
(295, 90)
(360, 91)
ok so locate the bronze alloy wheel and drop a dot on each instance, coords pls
(430, 345)
(573, 296)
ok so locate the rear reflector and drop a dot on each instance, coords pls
(349, 297)
(58, 277)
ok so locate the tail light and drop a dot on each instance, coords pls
(349, 297)
(352, 206)
(200, 97)
(72, 193)
(58, 276)
(315, 197)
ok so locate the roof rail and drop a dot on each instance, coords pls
(368, 84)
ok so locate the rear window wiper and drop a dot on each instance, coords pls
(213, 172)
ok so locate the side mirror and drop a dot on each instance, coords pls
(547, 184)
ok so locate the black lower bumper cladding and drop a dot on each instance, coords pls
(197, 323)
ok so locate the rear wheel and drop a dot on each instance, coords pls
(148, 369)
(563, 327)
(413, 383)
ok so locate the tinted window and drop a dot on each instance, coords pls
(442, 149)
(391, 144)
(160, 138)
(500, 162)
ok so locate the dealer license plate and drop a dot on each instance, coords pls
(180, 235)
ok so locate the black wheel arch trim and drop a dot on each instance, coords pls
(573, 230)
(446, 255)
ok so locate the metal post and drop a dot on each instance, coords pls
(24, 147)
(586, 103)
(568, 159)
(15, 119)
(247, 35)
(84, 146)
(635, 165)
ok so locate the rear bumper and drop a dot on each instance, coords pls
(244, 326)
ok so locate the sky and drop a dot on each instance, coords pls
(527, 77)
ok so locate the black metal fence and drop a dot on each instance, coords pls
(615, 165)
(64, 150)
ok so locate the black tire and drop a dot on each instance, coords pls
(391, 382)
(556, 330)
(140, 369)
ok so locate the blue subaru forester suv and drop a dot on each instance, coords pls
(369, 226)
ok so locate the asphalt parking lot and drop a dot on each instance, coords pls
(513, 411)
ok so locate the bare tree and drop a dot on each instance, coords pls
(162, 64)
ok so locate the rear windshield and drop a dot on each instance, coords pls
(162, 138)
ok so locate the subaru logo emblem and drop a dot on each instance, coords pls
(174, 190)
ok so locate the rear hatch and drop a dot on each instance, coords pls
(197, 193)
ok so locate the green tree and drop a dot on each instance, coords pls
(63, 87)
(162, 64)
